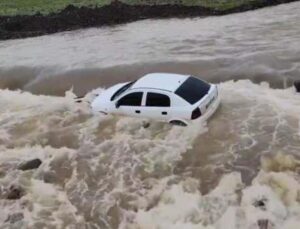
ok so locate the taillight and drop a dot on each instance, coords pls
(196, 113)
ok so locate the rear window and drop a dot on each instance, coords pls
(157, 100)
(192, 90)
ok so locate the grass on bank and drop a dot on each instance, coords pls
(29, 7)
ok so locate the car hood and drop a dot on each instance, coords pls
(102, 101)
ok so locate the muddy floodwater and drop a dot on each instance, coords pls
(240, 168)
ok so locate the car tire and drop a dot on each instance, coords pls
(178, 123)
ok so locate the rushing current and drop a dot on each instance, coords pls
(241, 170)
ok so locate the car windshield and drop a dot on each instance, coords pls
(121, 90)
(192, 90)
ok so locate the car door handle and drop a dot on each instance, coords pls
(164, 113)
(138, 111)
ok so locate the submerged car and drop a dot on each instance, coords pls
(177, 99)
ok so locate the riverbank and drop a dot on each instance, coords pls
(71, 18)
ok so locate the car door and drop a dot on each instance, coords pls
(130, 104)
(157, 105)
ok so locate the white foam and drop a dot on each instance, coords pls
(108, 171)
(178, 207)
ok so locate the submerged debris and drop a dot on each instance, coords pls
(146, 124)
(263, 223)
(2, 173)
(32, 164)
(14, 192)
(13, 218)
(261, 204)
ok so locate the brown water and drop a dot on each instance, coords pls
(262, 46)
(110, 172)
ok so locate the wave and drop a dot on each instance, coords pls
(56, 80)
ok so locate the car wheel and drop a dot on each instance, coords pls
(178, 123)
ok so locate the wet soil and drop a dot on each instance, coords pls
(72, 18)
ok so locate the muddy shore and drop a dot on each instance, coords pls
(71, 18)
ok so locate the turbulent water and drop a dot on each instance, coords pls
(238, 171)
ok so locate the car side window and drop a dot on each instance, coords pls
(132, 99)
(157, 100)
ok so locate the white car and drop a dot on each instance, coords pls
(177, 99)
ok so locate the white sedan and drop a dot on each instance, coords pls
(177, 99)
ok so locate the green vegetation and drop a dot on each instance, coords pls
(29, 7)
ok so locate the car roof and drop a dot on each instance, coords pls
(160, 81)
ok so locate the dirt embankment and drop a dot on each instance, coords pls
(74, 18)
